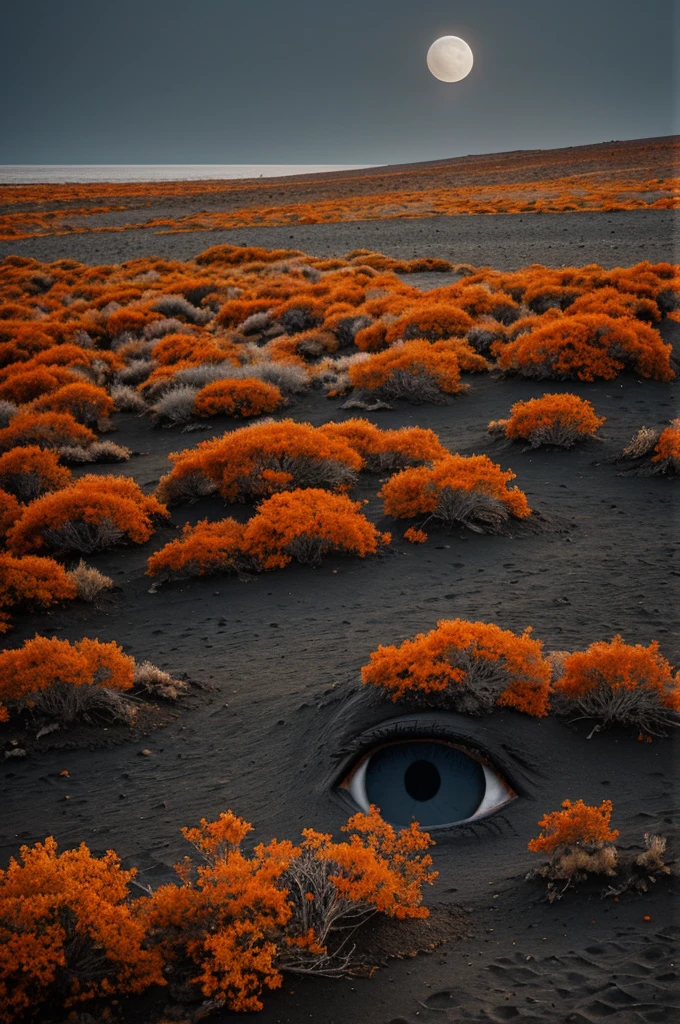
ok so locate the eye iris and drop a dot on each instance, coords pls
(434, 783)
(422, 780)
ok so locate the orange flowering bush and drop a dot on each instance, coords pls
(92, 514)
(46, 429)
(259, 460)
(203, 549)
(44, 670)
(472, 491)
(306, 524)
(249, 397)
(387, 449)
(31, 581)
(27, 385)
(27, 472)
(476, 665)
(415, 536)
(10, 510)
(562, 420)
(87, 403)
(620, 684)
(68, 931)
(242, 919)
(666, 457)
(415, 370)
(587, 346)
(302, 524)
(431, 320)
(577, 824)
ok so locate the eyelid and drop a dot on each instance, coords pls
(425, 727)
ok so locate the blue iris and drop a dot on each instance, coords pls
(432, 782)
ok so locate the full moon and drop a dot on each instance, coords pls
(450, 59)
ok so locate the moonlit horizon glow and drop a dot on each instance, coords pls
(450, 59)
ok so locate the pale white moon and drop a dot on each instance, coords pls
(450, 59)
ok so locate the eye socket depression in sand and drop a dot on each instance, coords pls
(450, 59)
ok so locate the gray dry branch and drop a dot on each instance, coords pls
(77, 535)
(98, 451)
(639, 708)
(65, 703)
(154, 681)
(479, 512)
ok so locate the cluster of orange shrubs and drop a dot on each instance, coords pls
(71, 932)
(477, 666)
(302, 524)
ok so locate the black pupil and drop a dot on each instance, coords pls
(422, 780)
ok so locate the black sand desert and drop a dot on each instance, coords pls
(275, 714)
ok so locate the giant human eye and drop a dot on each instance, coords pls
(432, 781)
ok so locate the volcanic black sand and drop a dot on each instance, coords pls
(504, 241)
(281, 710)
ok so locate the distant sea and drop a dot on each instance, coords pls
(32, 174)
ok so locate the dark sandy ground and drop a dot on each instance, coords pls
(284, 710)
(505, 241)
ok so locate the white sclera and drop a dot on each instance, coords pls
(450, 59)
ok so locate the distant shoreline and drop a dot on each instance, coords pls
(60, 174)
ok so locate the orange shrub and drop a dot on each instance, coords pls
(622, 684)
(387, 449)
(416, 370)
(31, 581)
(577, 825)
(666, 450)
(587, 346)
(194, 348)
(45, 429)
(560, 420)
(68, 932)
(10, 511)
(42, 664)
(435, 321)
(371, 338)
(87, 403)
(94, 513)
(306, 524)
(260, 460)
(415, 536)
(31, 471)
(472, 491)
(204, 548)
(243, 919)
(477, 665)
(612, 302)
(300, 524)
(26, 385)
(248, 397)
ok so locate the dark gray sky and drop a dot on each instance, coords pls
(326, 81)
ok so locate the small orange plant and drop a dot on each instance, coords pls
(259, 460)
(666, 457)
(434, 321)
(561, 420)
(472, 491)
(46, 429)
(476, 665)
(87, 403)
(415, 370)
(243, 398)
(26, 385)
(69, 679)
(27, 472)
(578, 823)
(587, 346)
(68, 932)
(414, 536)
(31, 581)
(306, 524)
(203, 549)
(10, 511)
(620, 684)
(92, 514)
